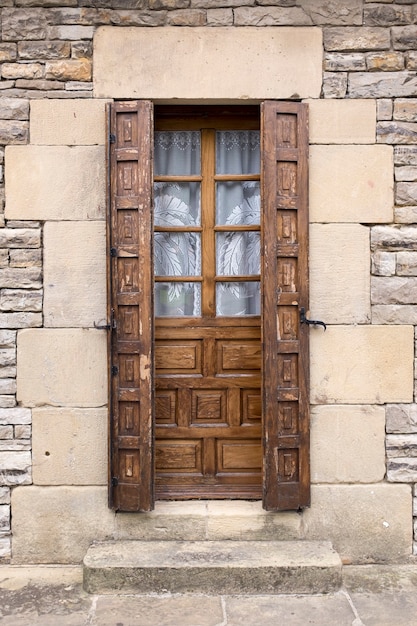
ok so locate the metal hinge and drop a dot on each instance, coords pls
(113, 322)
(114, 481)
(113, 251)
(114, 370)
(112, 138)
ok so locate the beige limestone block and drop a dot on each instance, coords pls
(218, 63)
(57, 524)
(74, 274)
(249, 521)
(69, 446)
(347, 444)
(61, 367)
(342, 121)
(361, 364)
(68, 122)
(176, 521)
(55, 182)
(339, 273)
(365, 523)
(351, 184)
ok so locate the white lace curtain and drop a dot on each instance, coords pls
(178, 204)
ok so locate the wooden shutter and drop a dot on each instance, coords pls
(131, 344)
(284, 128)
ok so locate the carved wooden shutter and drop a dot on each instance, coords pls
(285, 292)
(130, 249)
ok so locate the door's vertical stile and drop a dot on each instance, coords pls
(208, 221)
(269, 304)
(304, 290)
(113, 354)
(131, 301)
(209, 457)
(285, 291)
(209, 356)
(234, 408)
(109, 305)
(209, 443)
(183, 408)
(146, 290)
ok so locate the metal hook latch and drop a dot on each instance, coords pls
(110, 326)
(102, 326)
(304, 320)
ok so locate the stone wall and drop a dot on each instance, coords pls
(369, 55)
(20, 307)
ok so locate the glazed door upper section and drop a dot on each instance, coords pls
(207, 305)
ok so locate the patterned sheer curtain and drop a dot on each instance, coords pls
(178, 205)
(238, 204)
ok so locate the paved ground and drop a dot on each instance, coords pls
(53, 596)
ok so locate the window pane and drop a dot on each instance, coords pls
(238, 298)
(238, 152)
(177, 152)
(177, 299)
(238, 253)
(177, 204)
(238, 203)
(177, 254)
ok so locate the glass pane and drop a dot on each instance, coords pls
(238, 203)
(177, 152)
(177, 299)
(177, 204)
(238, 298)
(238, 152)
(238, 254)
(177, 254)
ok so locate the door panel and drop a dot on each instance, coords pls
(208, 366)
(130, 307)
(285, 292)
(208, 422)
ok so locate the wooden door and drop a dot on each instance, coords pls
(285, 294)
(220, 433)
(207, 345)
(130, 307)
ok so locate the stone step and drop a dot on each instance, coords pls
(213, 567)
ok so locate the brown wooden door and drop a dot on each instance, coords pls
(130, 307)
(220, 433)
(285, 293)
(208, 360)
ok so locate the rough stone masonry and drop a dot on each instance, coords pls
(370, 51)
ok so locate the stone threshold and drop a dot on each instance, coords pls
(209, 520)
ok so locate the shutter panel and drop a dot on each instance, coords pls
(284, 129)
(131, 271)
